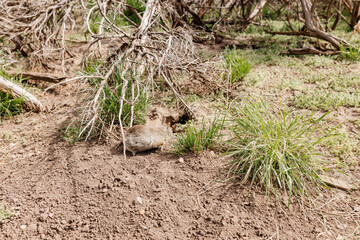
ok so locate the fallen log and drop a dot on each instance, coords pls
(30, 100)
(37, 76)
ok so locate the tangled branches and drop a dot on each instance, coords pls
(35, 27)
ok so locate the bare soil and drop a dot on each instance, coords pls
(88, 191)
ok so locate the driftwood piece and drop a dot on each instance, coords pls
(37, 76)
(31, 101)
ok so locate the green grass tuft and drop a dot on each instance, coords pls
(350, 53)
(237, 64)
(275, 148)
(197, 140)
(9, 105)
(110, 103)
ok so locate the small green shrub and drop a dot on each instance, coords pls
(275, 148)
(197, 140)
(238, 65)
(9, 105)
(350, 53)
(4, 213)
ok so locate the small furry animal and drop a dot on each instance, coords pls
(143, 137)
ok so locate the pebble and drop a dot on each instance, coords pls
(139, 200)
(23, 227)
(43, 217)
(32, 226)
(181, 160)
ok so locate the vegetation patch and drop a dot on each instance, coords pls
(196, 139)
(4, 213)
(10, 105)
(326, 100)
(110, 104)
(350, 53)
(344, 147)
(237, 64)
(275, 148)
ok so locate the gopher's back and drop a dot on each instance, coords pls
(141, 138)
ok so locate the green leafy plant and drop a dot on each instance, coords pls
(4, 213)
(275, 148)
(198, 139)
(238, 65)
(350, 53)
(10, 105)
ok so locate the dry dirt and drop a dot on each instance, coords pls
(88, 191)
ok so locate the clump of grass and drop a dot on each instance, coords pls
(238, 65)
(110, 104)
(350, 53)
(10, 105)
(275, 148)
(4, 213)
(196, 139)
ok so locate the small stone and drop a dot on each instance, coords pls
(51, 214)
(212, 154)
(142, 212)
(32, 227)
(336, 183)
(139, 200)
(23, 227)
(63, 222)
(339, 237)
(181, 160)
(105, 190)
(43, 217)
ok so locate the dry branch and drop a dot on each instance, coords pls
(38, 76)
(30, 100)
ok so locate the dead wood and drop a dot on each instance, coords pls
(315, 28)
(31, 102)
(38, 76)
